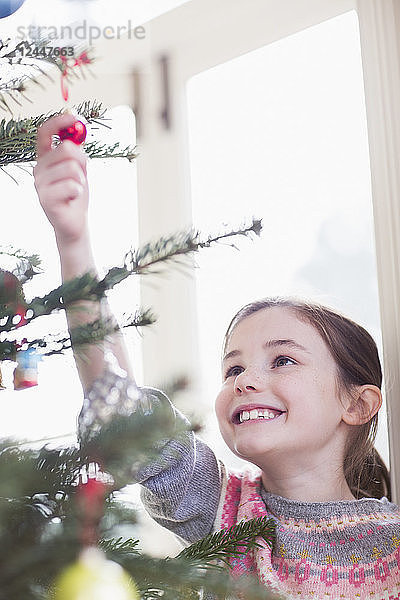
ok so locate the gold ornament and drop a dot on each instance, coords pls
(93, 577)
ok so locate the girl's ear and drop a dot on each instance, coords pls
(363, 405)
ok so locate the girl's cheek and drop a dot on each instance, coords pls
(219, 405)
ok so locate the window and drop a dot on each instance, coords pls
(281, 133)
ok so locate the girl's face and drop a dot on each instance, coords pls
(279, 397)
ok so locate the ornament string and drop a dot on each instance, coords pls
(67, 67)
(76, 132)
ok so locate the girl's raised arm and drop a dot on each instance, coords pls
(62, 187)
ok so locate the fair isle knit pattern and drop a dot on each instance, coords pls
(345, 550)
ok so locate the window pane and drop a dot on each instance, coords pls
(281, 133)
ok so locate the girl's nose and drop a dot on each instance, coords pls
(247, 382)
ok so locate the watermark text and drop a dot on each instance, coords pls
(83, 32)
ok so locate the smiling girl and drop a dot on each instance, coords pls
(299, 399)
(293, 390)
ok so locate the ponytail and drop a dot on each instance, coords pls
(371, 479)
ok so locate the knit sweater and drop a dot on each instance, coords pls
(324, 550)
(347, 550)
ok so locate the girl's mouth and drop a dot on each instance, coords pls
(256, 414)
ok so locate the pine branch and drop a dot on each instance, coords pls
(195, 569)
(234, 541)
(39, 471)
(98, 150)
(127, 443)
(119, 546)
(39, 524)
(98, 330)
(27, 266)
(178, 579)
(80, 288)
(25, 59)
(91, 333)
(18, 137)
(139, 262)
(183, 243)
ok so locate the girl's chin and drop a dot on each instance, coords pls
(249, 447)
(249, 451)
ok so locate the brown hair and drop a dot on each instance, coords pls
(357, 360)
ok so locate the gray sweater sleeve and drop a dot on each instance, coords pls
(181, 489)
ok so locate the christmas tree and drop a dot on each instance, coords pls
(60, 508)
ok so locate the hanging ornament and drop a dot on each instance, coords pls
(90, 499)
(77, 131)
(9, 7)
(11, 293)
(26, 371)
(93, 577)
(13, 301)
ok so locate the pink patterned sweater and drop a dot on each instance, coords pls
(347, 550)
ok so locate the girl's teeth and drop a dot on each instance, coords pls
(255, 413)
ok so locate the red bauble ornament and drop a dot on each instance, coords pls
(90, 497)
(76, 133)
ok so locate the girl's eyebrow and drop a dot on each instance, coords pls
(271, 344)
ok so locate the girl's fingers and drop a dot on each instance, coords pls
(48, 129)
(68, 169)
(66, 190)
(47, 155)
(64, 151)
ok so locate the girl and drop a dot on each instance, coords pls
(299, 399)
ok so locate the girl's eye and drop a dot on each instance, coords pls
(281, 361)
(233, 371)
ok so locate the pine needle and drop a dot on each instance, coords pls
(87, 287)
(234, 541)
(26, 57)
(120, 546)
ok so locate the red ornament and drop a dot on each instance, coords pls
(76, 133)
(90, 499)
(91, 496)
(20, 311)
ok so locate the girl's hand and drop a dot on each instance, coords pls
(61, 182)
